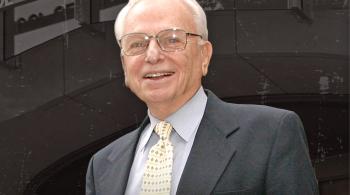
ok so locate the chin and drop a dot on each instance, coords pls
(158, 96)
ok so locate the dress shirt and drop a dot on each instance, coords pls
(185, 122)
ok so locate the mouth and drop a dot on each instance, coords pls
(158, 75)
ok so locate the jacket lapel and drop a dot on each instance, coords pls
(121, 159)
(211, 150)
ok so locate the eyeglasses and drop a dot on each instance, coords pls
(169, 40)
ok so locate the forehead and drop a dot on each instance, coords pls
(154, 16)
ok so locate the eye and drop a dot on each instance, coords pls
(138, 44)
(173, 40)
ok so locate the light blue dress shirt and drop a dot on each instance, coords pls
(185, 122)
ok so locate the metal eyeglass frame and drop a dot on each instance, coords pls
(149, 37)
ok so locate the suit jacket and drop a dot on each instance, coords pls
(238, 150)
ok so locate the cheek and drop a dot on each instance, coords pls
(195, 66)
(132, 68)
(190, 73)
(186, 68)
(130, 76)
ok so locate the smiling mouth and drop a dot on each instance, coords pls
(158, 75)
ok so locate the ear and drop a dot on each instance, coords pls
(206, 51)
(124, 69)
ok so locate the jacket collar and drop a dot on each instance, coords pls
(212, 149)
(120, 159)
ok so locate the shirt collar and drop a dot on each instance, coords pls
(185, 120)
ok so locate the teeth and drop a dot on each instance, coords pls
(155, 75)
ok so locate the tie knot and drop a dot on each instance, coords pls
(163, 129)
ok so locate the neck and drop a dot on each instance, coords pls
(162, 112)
(165, 109)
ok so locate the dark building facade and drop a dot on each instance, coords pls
(62, 95)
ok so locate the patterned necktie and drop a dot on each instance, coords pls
(157, 176)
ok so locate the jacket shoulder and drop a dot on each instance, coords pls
(116, 145)
(258, 110)
(247, 116)
(243, 111)
(261, 114)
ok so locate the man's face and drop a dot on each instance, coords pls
(158, 77)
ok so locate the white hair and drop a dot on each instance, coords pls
(199, 17)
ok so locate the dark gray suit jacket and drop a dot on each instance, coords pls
(238, 150)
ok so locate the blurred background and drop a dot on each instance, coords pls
(62, 95)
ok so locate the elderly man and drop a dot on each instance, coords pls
(192, 142)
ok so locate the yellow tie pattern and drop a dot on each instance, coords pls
(157, 176)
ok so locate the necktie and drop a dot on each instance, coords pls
(157, 175)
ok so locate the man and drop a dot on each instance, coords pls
(192, 142)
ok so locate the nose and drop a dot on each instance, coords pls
(153, 52)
